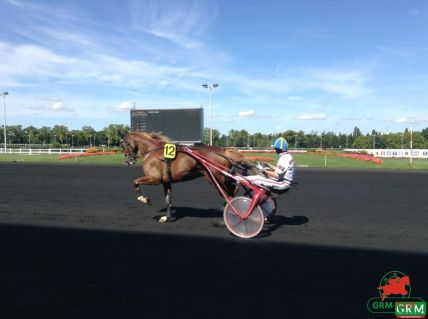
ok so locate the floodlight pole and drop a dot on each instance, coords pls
(206, 86)
(4, 113)
(411, 146)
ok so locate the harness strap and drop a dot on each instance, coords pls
(168, 162)
(148, 153)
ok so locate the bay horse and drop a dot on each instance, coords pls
(183, 168)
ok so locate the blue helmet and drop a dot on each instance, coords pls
(281, 144)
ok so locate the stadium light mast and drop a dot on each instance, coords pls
(210, 87)
(411, 146)
(4, 113)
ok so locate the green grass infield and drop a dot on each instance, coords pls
(301, 159)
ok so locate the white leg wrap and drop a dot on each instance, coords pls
(143, 199)
(163, 219)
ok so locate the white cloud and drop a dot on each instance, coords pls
(412, 120)
(33, 65)
(60, 107)
(122, 107)
(179, 23)
(348, 83)
(345, 82)
(312, 117)
(57, 106)
(246, 113)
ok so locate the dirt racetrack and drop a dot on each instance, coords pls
(75, 243)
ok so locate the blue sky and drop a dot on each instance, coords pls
(303, 65)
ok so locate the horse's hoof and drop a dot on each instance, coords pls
(144, 200)
(163, 219)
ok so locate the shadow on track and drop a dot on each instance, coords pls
(183, 212)
(278, 221)
(273, 224)
(74, 273)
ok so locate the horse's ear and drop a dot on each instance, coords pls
(123, 143)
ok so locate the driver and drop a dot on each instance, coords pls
(281, 176)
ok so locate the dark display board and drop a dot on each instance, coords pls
(180, 125)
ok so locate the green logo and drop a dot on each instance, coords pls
(406, 309)
(394, 297)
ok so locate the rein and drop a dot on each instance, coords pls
(150, 152)
(232, 162)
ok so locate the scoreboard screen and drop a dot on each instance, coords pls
(180, 125)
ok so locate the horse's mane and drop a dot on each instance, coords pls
(154, 136)
(158, 137)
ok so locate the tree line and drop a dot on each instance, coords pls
(61, 136)
(300, 139)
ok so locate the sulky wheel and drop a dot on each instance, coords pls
(269, 207)
(239, 225)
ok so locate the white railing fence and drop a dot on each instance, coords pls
(383, 153)
(40, 151)
(394, 153)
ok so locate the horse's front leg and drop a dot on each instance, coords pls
(146, 180)
(168, 200)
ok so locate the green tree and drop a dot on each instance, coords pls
(15, 134)
(32, 134)
(60, 132)
(362, 142)
(217, 139)
(390, 141)
(77, 138)
(88, 134)
(44, 134)
(424, 133)
(356, 132)
(311, 140)
(330, 140)
(419, 141)
(113, 133)
(238, 138)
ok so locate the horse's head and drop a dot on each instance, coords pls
(129, 151)
(406, 280)
(141, 143)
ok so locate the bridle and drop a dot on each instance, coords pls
(130, 155)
